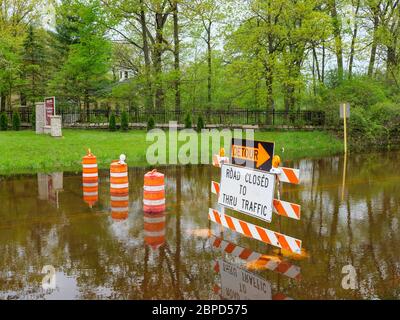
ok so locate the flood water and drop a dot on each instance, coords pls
(348, 218)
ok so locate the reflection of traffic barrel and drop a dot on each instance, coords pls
(154, 229)
(90, 178)
(119, 189)
(90, 193)
(154, 192)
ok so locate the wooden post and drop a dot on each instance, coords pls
(345, 128)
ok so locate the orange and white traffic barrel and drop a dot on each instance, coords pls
(119, 176)
(119, 189)
(89, 168)
(154, 229)
(90, 176)
(154, 192)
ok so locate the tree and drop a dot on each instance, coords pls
(33, 61)
(84, 73)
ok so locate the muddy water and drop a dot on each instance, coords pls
(349, 217)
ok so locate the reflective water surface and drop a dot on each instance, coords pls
(349, 217)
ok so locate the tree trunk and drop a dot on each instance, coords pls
(374, 44)
(147, 63)
(157, 60)
(177, 81)
(87, 106)
(353, 40)
(268, 83)
(323, 63)
(2, 102)
(338, 40)
(209, 61)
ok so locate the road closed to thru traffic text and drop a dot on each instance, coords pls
(247, 190)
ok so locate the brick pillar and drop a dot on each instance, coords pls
(40, 117)
(55, 124)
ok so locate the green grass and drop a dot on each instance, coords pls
(26, 152)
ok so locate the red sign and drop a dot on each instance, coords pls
(50, 108)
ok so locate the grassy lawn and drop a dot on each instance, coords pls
(26, 152)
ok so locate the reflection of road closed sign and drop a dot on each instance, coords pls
(49, 106)
(252, 154)
(247, 190)
(240, 284)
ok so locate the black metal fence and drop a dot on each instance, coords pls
(225, 117)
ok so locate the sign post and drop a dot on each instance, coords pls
(50, 108)
(247, 190)
(345, 113)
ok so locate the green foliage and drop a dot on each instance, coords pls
(200, 123)
(124, 121)
(3, 122)
(150, 123)
(16, 121)
(188, 121)
(112, 125)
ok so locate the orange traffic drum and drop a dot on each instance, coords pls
(89, 168)
(119, 176)
(154, 192)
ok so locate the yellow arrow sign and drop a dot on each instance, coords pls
(257, 154)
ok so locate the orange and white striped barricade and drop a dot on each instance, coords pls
(256, 232)
(119, 189)
(218, 160)
(154, 229)
(272, 263)
(288, 175)
(154, 192)
(282, 208)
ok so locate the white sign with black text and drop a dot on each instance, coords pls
(240, 284)
(249, 191)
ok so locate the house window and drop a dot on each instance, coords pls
(126, 75)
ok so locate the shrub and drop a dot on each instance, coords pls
(16, 121)
(188, 121)
(150, 123)
(200, 123)
(112, 126)
(124, 121)
(3, 122)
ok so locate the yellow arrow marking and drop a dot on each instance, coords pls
(259, 155)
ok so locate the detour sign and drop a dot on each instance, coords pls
(252, 153)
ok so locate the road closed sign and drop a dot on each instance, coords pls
(240, 284)
(247, 190)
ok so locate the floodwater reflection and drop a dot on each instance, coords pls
(102, 253)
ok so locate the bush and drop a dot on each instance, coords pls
(112, 126)
(124, 121)
(33, 119)
(200, 123)
(150, 123)
(188, 121)
(3, 122)
(16, 121)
